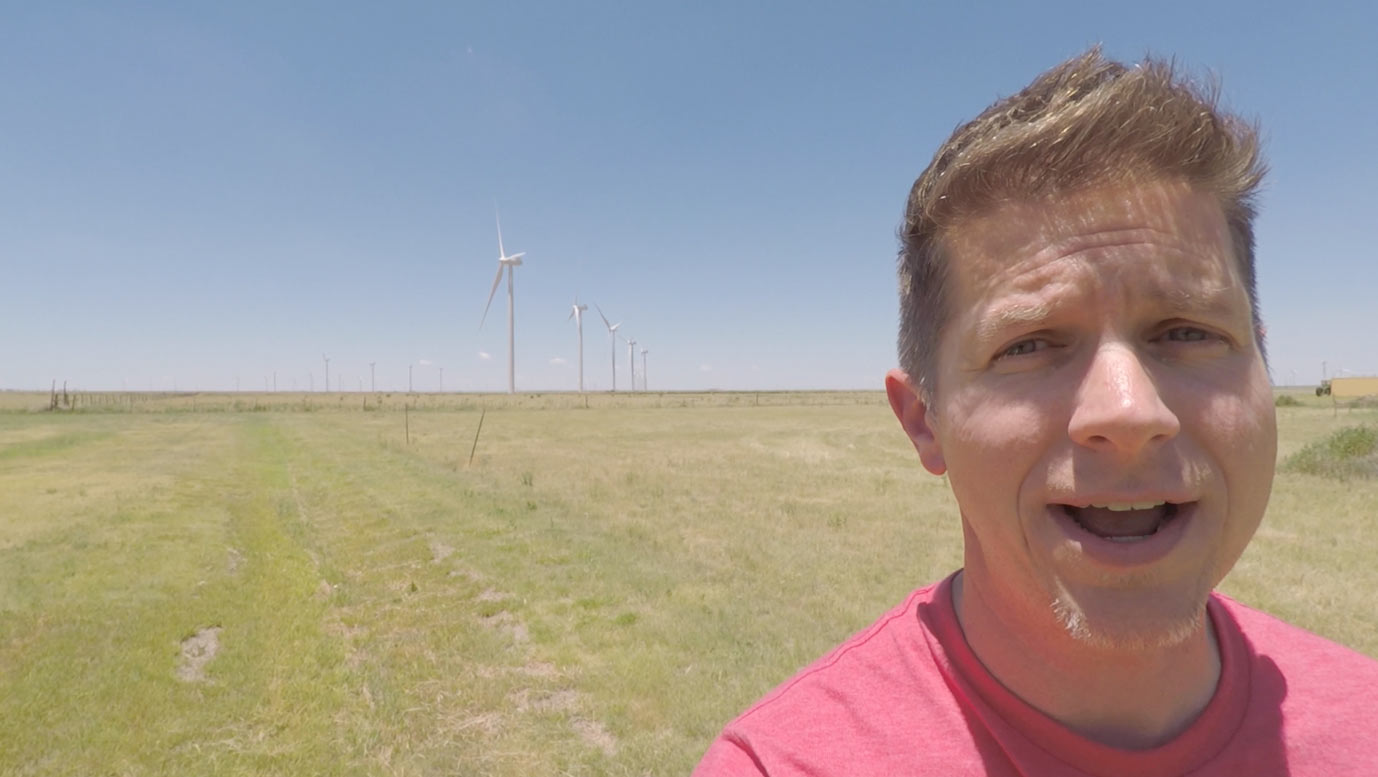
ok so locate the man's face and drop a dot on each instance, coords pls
(1103, 410)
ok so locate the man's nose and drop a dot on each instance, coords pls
(1118, 408)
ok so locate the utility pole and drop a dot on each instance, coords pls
(372, 383)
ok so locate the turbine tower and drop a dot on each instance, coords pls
(612, 334)
(631, 360)
(577, 313)
(506, 262)
(643, 370)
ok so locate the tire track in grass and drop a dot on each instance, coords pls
(272, 687)
(125, 578)
(444, 667)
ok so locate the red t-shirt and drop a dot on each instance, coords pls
(908, 697)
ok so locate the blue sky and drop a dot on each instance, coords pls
(203, 195)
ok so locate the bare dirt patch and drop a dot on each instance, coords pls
(490, 595)
(539, 669)
(440, 551)
(567, 701)
(323, 591)
(467, 574)
(592, 732)
(532, 669)
(527, 700)
(488, 723)
(502, 619)
(197, 651)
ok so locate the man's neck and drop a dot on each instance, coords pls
(1130, 699)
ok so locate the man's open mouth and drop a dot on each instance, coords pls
(1123, 521)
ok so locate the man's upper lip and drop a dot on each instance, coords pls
(1119, 498)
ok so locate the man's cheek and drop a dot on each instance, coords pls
(997, 431)
(1243, 423)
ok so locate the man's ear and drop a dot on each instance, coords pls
(913, 414)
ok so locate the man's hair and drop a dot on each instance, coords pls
(1087, 122)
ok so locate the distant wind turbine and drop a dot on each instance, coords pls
(643, 370)
(506, 262)
(612, 334)
(577, 313)
(631, 360)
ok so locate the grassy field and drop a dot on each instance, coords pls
(309, 584)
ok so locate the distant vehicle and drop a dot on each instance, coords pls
(1348, 387)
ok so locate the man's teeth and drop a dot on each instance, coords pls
(1123, 506)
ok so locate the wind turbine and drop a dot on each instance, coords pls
(506, 262)
(631, 360)
(577, 313)
(612, 334)
(643, 369)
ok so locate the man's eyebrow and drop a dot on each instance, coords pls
(1216, 301)
(1011, 315)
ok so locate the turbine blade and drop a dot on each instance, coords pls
(494, 290)
(606, 323)
(501, 253)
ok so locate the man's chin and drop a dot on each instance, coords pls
(1133, 624)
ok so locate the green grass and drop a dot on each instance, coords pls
(597, 594)
(1347, 453)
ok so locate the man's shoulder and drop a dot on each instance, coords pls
(867, 657)
(1319, 694)
(1313, 668)
(860, 704)
(1269, 635)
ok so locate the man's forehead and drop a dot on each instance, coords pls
(1030, 228)
(1172, 242)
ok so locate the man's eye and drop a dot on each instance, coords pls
(1186, 334)
(1024, 348)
